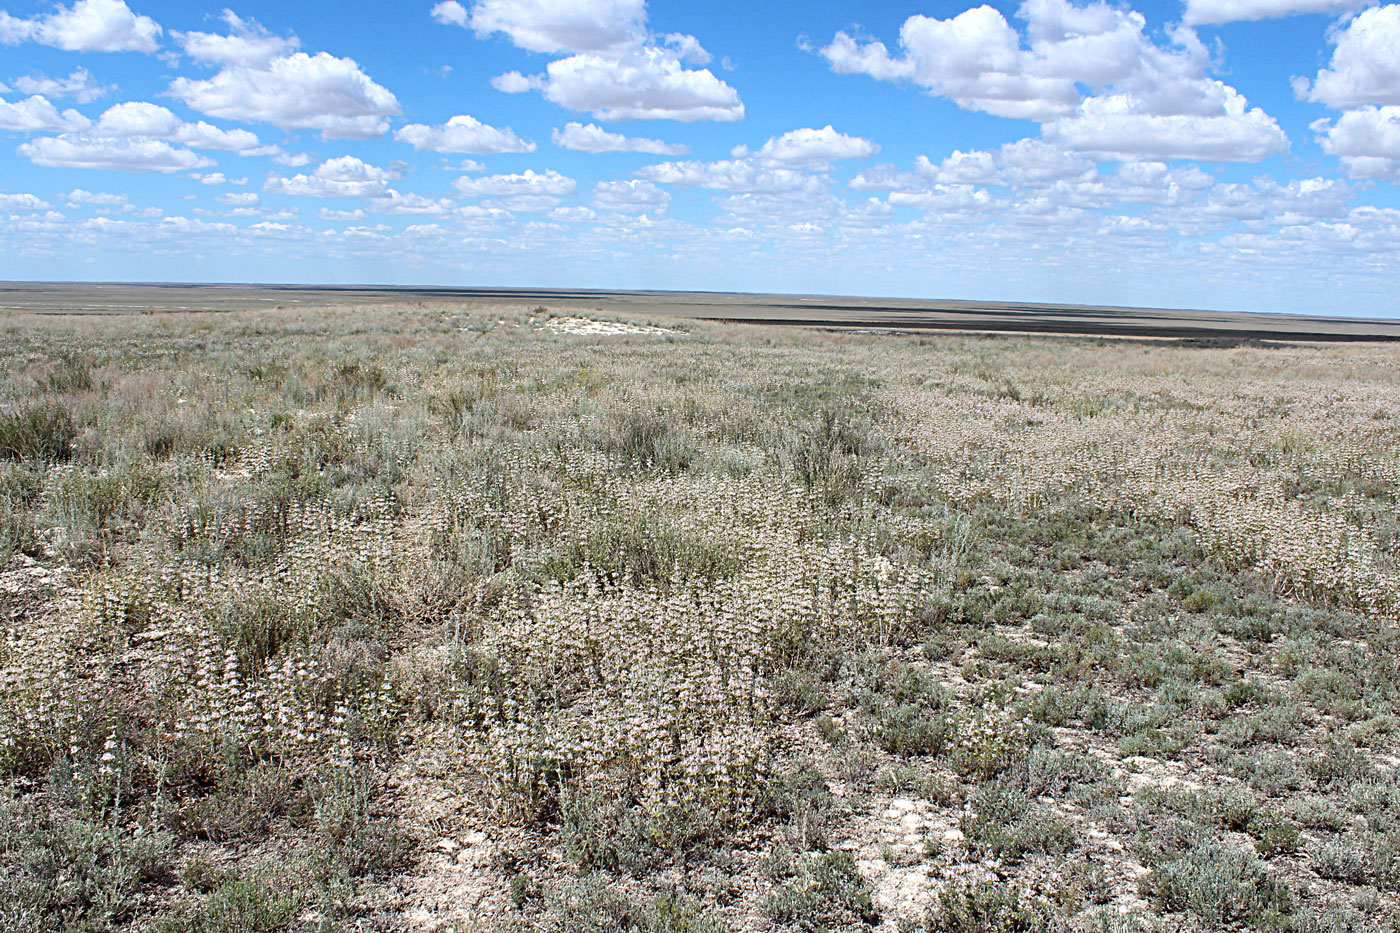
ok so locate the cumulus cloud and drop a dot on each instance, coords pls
(463, 134)
(79, 86)
(738, 175)
(1367, 140)
(513, 82)
(247, 44)
(239, 199)
(22, 202)
(79, 197)
(1115, 127)
(410, 204)
(1214, 12)
(343, 177)
(86, 26)
(37, 115)
(593, 138)
(1029, 162)
(964, 168)
(451, 13)
(613, 68)
(646, 84)
(811, 147)
(633, 196)
(131, 154)
(1365, 66)
(295, 92)
(945, 199)
(1158, 93)
(554, 25)
(528, 183)
(142, 119)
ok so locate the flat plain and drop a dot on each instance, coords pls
(331, 609)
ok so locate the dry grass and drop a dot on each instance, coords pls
(413, 617)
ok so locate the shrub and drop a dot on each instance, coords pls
(354, 838)
(1343, 859)
(38, 432)
(826, 454)
(1220, 884)
(238, 905)
(801, 799)
(1273, 835)
(912, 730)
(649, 442)
(825, 892)
(601, 831)
(68, 873)
(992, 907)
(592, 905)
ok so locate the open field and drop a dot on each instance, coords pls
(824, 311)
(469, 614)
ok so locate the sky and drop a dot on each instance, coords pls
(1230, 154)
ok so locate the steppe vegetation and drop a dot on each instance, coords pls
(434, 617)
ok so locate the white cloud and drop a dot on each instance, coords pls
(633, 196)
(739, 175)
(295, 92)
(847, 56)
(646, 84)
(964, 168)
(593, 138)
(412, 204)
(37, 115)
(522, 203)
(132, 154)
(78, 197)
(141, 119)
(1214, 12)
(248, 44)
(1034, 162)
(513, 82)
(613, 68)
(783, 213)
(87, 26)
(529, 183)
(886, 178)
(22, 202)
(239, 199)
(79, 85)
(975, 58)
(1115, 127)
(327, 214)
(1147, 99)
(554, 25)
(450, 13)
(945, 199)
(1367, 141)
(812, 147)
(1365, 66)
(344, 177)
(572, 215)
(463, 134)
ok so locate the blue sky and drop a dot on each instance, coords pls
(1238, 154)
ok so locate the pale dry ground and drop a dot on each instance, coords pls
(480, 618)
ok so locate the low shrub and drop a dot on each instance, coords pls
(44, 432)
